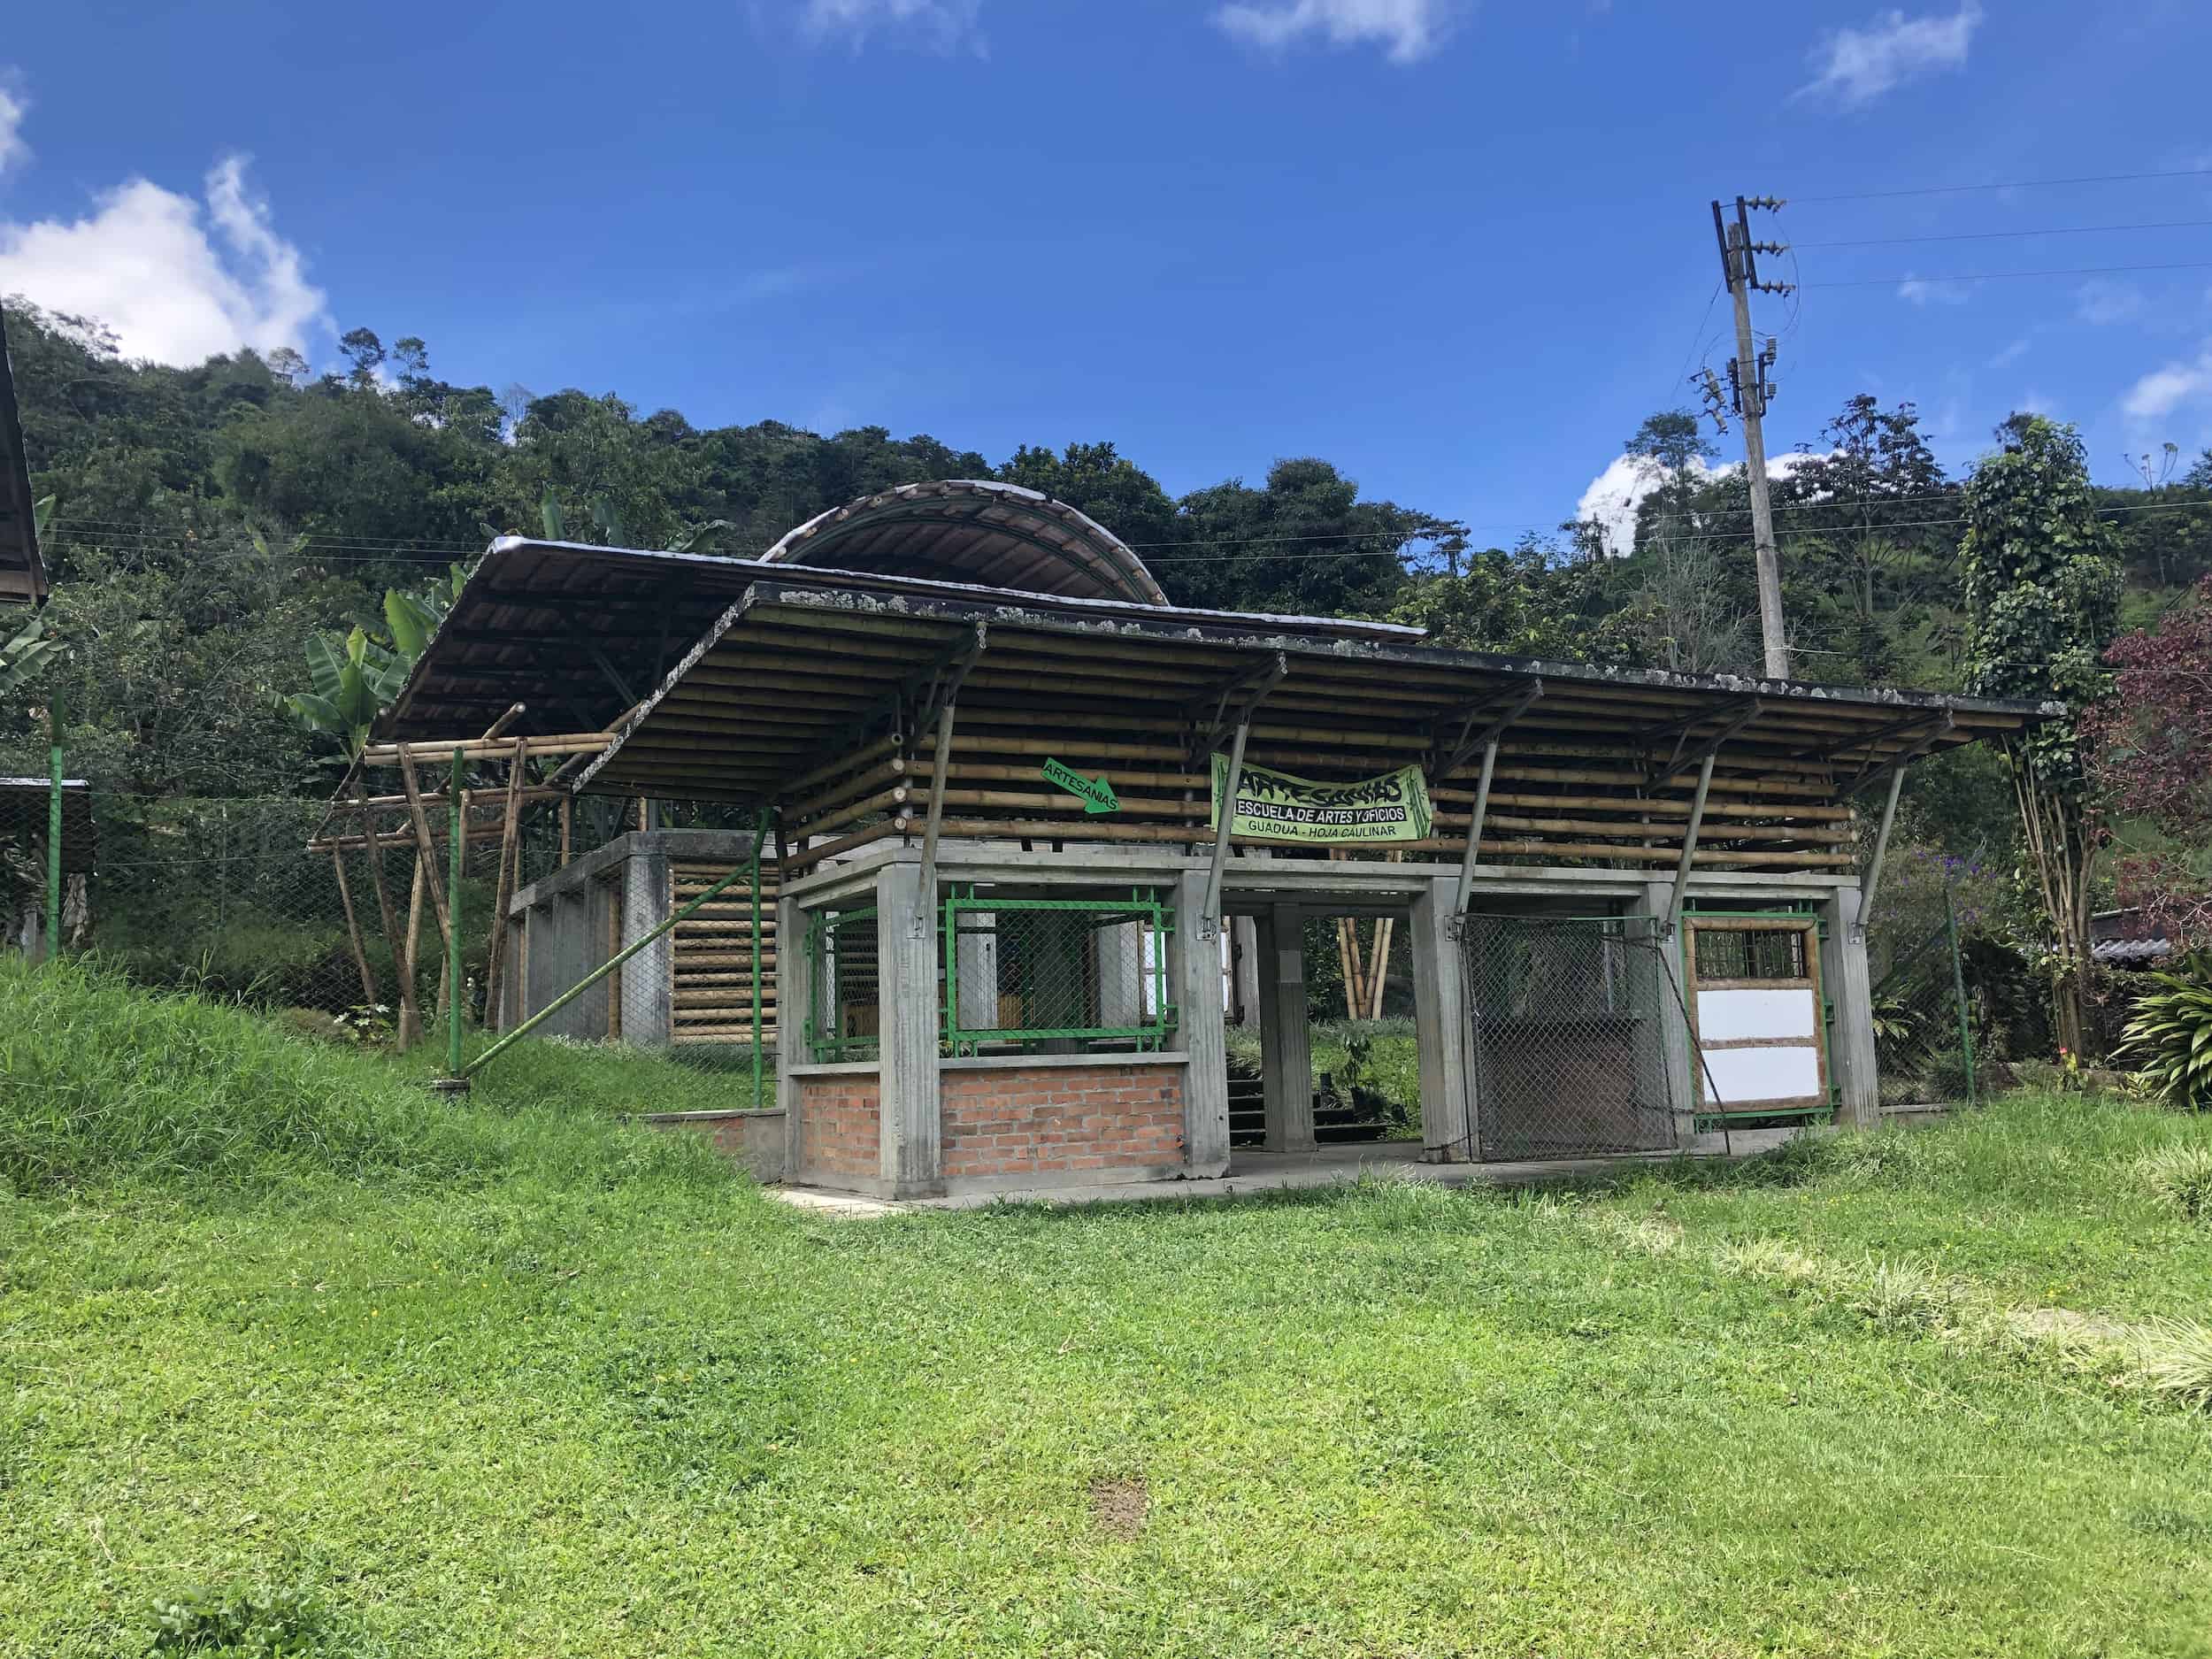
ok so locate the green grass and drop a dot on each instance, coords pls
(514, 1380)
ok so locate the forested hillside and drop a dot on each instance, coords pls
(210, 518)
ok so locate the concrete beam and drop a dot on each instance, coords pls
(1441, 1012)
(1247, 881)
(910, 1160)
(1194, 980)
(1852, 1065)
(1286, 1046)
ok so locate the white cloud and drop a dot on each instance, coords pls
(1408, 30)
(1858, 65)
(943, 26)
(145, 264)
(1933, 291)
(1613, 495)
(2162, 391)
(13, 108)
(2099, 301)
(2011, 355)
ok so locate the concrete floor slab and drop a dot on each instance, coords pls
(1256, 1172)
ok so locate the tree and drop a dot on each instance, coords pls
(2042, 599)
(2149, 752)
(1866, 562)
(1686, 596)
(1094, 479)
(1527, 602)
(1305, 545)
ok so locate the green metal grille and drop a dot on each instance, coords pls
(844, 1001)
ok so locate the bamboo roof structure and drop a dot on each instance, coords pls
(811, 689)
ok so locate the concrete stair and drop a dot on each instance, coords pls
(1332, 1124)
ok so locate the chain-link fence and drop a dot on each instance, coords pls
(1570, 1040)
(1924, 1025)
(1038, 974)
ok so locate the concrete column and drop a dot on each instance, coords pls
(1439, 1023)
(1845, 981)
(910, 1159)
(1195, 981)
(1244, 943)
(1121, 966)
(977, 987)
(795, 991)
(648, 978)
(1674, 1055)
(1286, 1044)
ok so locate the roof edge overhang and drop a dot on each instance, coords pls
(22, 572)
(1054, 615)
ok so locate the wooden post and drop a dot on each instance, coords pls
(568, 805)
(503, 887)
(426, 856)
(353, 930)
(401, 963)
(414, 934)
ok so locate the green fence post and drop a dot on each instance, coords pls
(455, 851)
(1958, 989)
(53, 855)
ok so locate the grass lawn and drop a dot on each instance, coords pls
(502, 1379)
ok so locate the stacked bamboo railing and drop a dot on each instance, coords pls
(712, 964)
(1553, 803)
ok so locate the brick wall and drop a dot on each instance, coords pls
(840, 1131)
(1060, 1120)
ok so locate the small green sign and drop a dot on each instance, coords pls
(1097, 795)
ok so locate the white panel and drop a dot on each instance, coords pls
(1743, 1076)
(1726, 1016)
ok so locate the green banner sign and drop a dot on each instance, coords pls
(1275, 806)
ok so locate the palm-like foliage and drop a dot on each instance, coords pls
(2169, 1036)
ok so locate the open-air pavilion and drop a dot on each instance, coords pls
(1018, 806)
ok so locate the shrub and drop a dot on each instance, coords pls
(2170, 1035)
(2178, 1362)
(274, 1621)
(2179, 1177)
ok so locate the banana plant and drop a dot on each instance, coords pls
(357, 677)
(23, 657)
(355, 681)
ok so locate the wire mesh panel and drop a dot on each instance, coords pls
(844, 1006)
(1033, 972)
(1924, 1035)
(1569, 1044)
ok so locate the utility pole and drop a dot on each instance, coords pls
(1750, 391)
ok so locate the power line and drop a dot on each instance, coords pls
(1995, 276)
(2019, 184)
(1993, 235)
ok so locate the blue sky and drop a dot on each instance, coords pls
(1460, 249)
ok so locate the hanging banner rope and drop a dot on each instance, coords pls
(1275, 806)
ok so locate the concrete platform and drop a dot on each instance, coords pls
(1253, 1171)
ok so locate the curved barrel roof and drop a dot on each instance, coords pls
(974, 531)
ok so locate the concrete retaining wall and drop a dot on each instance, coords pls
(754, 1138)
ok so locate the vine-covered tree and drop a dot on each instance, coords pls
(2042, 597)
